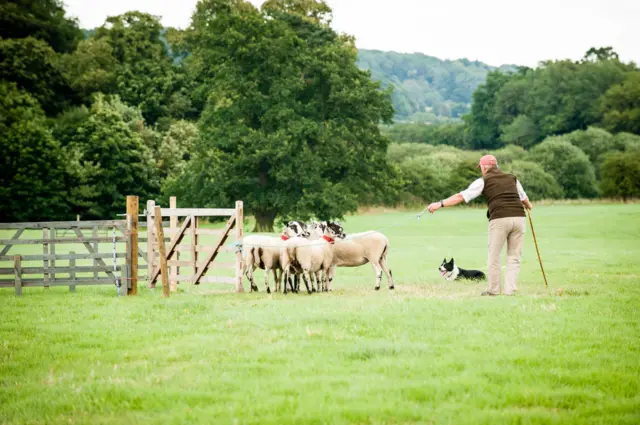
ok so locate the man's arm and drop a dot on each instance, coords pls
(523, 196)
(472, 192)
(449, 202)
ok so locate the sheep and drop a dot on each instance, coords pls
(310, 256)
(264, 252)
(359, 249)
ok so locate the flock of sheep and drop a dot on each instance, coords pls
(312, 252)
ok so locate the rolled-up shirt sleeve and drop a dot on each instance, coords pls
(521, 191)
(474, 190)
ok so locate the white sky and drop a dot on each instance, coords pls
(493, 31)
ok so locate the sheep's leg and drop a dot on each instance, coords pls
(332, 273)
(314, 279)
(266, 280)
(296, 283)
(387, 271)
(248, 271)
(307, 280)
(286, 271)
(378, 270)
(277, 278)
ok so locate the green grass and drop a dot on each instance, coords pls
(429, 352)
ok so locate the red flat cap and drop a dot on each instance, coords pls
(488, 160)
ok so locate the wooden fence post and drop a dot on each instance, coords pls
(151, 256)
(72, 273)
(173, 223)
(239, 233)
(45, 251)
(194, 243)
(96, 248)
(52, 251)
(164, 272)
(17, 271)
(132, 251)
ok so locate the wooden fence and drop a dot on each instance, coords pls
(60, 263)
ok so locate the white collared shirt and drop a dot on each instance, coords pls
(475, 189)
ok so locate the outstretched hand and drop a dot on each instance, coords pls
(433, 207)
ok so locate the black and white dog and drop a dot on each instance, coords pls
(450, 271)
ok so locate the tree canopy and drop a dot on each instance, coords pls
(292, 118)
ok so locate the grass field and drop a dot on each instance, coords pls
(429, 352)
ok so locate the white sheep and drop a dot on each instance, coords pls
(310, 256)
(359, 249)
(264, 252)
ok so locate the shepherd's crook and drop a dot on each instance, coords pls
(535, 241)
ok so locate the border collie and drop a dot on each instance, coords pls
(450, 271)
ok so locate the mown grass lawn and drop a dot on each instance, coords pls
(429, 352)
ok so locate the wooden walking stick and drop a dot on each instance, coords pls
(535, 241)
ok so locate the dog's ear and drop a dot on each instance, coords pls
(445, 260)
(451, 262)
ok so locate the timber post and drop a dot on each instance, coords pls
(173, 224)
(239, 233)
(150, 252)
(132, 248)
(17, 271)
(72, 271)
(164, 272)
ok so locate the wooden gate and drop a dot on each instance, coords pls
(192, 250)
(71, 254)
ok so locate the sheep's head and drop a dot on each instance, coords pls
(317, 228)
(334, 230)
(296, 228)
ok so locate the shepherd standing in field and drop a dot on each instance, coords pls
(507, 200)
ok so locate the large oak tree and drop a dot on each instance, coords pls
(291, 123)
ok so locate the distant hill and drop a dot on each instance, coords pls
(427, 89)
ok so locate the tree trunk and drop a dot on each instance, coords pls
(264, 221)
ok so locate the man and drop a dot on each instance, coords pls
(506, 214)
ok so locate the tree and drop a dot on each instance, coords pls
(32, 175)
(509, 154)
(621, 175)
(91, 68)
(145, 76)
(557, 97)
(593, 141)
(621, 105)
(537, 183)
(108, 161)
(568, 164)
(442, 134)
(293, 119)
(176, 148)
(33, 66)
(521, 132)
(626, 142)
(600, 54)
(41, 19)
(483, 130)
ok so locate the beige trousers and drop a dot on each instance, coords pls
(501, 230)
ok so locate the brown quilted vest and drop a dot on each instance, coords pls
(501, 193)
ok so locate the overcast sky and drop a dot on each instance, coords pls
(493, 31)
